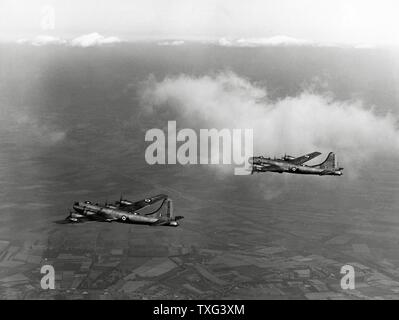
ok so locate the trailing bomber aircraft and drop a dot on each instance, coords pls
(127, 211)
(291, 164)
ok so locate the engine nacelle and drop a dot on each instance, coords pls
(287, 157)
(76, 215)
(89, 213)
(257, 167)
(126, 202)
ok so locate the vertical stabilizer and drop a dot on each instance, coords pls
(169, 208)
(330, 162)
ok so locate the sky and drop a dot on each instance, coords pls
(329, 21)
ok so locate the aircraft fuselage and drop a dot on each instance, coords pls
(261, 164)
(111, 213)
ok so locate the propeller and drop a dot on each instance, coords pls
(252, 169)
(70, 213)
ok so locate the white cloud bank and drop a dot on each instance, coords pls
(43, 40)
(84, 41)
(292, 125)
(286, 41)
(171, 43)
(265, 42)
(93, 40)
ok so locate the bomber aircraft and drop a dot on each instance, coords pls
(291, 164)
(127, 211)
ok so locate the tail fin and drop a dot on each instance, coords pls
(169, 216)
(169, 209)
(166, 209)
(330, 162)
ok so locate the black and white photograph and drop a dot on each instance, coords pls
(206, 150)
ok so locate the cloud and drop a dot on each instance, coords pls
(171, 43)
(42, 40)
(265, 42)
(26, 128)
(292, 125)
(286, 41)
(365, 46)
(84, 41)
(93, 39)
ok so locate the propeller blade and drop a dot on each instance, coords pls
(251, 170)
(70, 214)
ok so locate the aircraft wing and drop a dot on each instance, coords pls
(100, 218)
(302, 159)
(71, 219)
(159, 223)
(134, 206)
(110, 219)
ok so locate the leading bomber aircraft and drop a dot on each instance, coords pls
(126, 211)
(291, 164)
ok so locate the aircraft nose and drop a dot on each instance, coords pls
(78, 208)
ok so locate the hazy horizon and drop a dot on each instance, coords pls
(346, 22)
